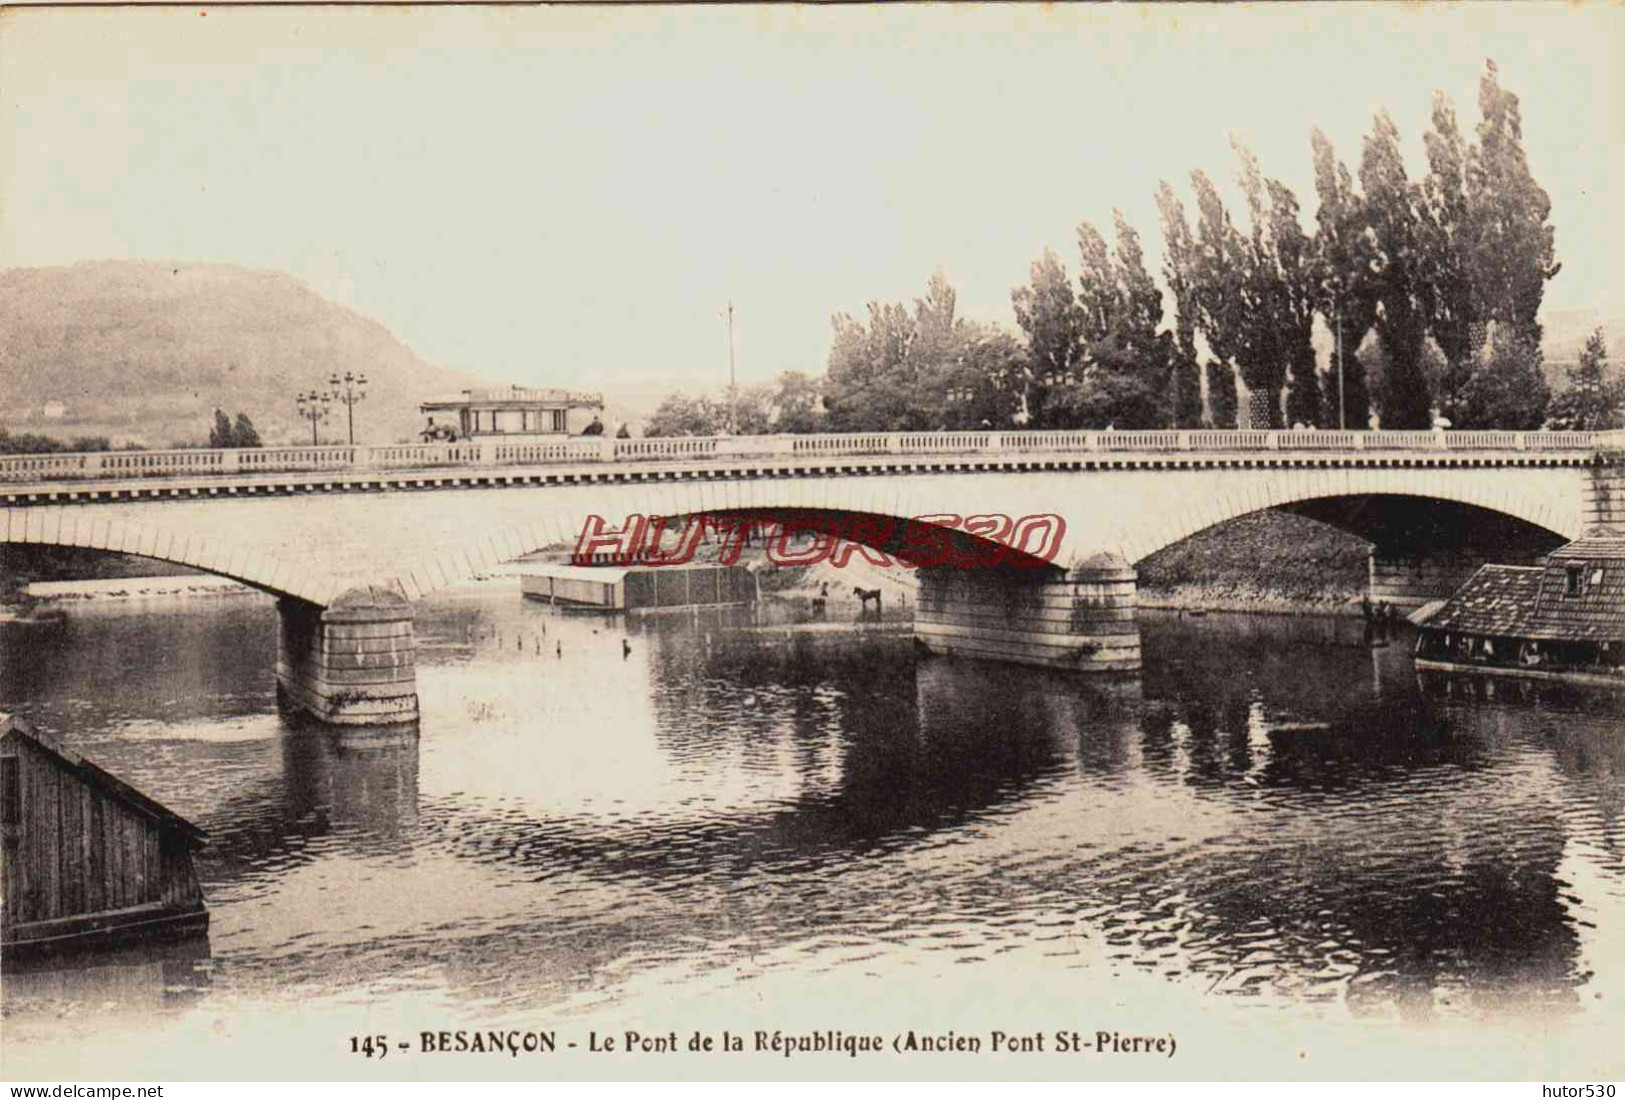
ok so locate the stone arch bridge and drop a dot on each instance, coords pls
(348, 537)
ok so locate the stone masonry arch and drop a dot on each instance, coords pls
(234, 558)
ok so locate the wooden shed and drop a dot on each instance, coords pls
(85, 858)
(610, 588)
(1564, 619)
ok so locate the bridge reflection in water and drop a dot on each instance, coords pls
(1269, 812)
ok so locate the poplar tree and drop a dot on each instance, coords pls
(1344, 253)
(1511, 247)
(1179, 257)
(1391, 203)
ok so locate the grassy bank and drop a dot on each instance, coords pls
(1267, 561)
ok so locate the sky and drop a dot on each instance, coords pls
(572, 196)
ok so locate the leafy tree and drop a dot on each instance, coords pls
(1446, 282)
(1048, 312)
(1508, 388)
(1134, 364)
(243, 433)
(796, 404)
(1344, 254)
(935, 355)
(1222, 396)
(1098, 293)
(915, 370)
(1391, 213)
(1219, 271)
(1486, 248)
(1121, 376)
(745, 410)
(867, 386)
(1117, 389)
(220, 435)
(678, 414)
(1178, 270)
(27, 443)
(1299, 297)
(1260, 333)
(986, 382)
(1595, 398)
(1373, 359)
(1510, 243)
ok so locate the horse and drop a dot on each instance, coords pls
(865, 595)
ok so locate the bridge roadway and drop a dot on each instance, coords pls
(346, 538)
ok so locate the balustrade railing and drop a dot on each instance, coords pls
(482, 454)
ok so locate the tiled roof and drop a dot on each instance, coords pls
(1497, 600)
(1592, 546)
(1532, 602)
(1597, 610)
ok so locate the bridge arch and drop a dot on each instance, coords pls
(1523, 502)
(233, 558)
(875, 531)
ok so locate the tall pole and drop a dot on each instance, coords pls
(733, 386)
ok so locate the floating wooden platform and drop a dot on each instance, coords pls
(653, 588)
(1566, 676)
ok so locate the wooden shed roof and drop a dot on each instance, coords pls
(1497, 600)
(88, 771)
(1536, 601)
(1597, 610)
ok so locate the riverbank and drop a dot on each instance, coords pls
(1243, 601)
(1272, 563)
(135, 588)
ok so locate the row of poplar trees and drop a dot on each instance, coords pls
(1430, 285)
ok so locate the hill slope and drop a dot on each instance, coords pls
(145, 351)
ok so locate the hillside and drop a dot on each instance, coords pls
(144, 352)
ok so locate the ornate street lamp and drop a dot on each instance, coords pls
(313, 406)
(349, 389)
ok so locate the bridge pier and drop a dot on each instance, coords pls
(1602, 498)
(1409, 580)
(350, 664)
(1081, 620)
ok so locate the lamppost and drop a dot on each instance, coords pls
(348, 390)
(313, 406)
(733, 386)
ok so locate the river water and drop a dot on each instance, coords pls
(1275, 837)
